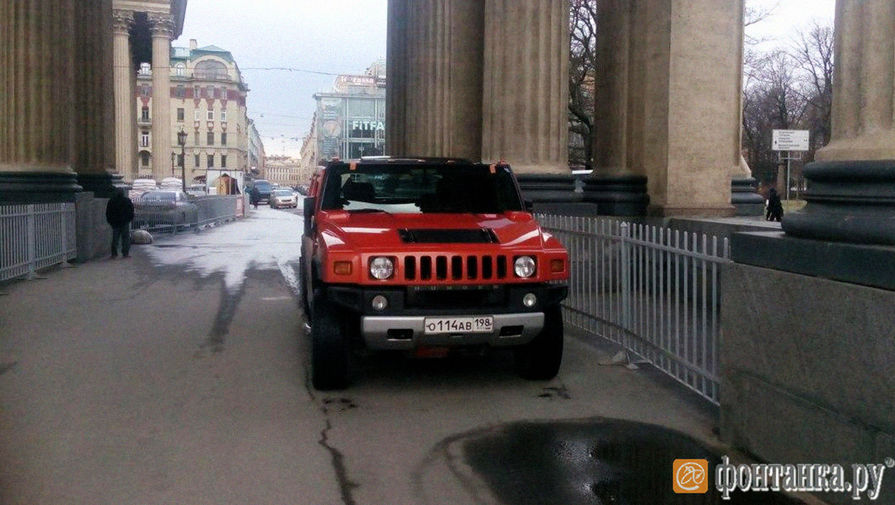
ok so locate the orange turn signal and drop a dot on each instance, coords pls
(557, 266)
(342, 268)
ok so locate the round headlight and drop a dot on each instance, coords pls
(524, 266)
(382, 268)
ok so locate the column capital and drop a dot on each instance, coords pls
(161, 25)
(122, 21)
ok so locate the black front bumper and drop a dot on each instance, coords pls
(446, 300)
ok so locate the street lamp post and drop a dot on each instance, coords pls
(181, 140)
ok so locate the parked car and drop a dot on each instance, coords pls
(264, 190)
(425, 255)
(283, 198)
(165, 209)
(196, 190)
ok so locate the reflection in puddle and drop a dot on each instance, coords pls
(592, 462)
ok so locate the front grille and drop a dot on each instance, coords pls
(455, 267)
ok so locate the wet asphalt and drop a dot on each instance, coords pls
(139, 381)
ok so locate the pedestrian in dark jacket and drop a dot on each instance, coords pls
(119, 214)
(255, 196)
(775, 207)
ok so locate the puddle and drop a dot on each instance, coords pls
(592, 462)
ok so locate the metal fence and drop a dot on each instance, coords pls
(199, 212)
(652, 290)
(35, 236)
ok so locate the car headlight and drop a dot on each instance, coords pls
(524, 266)
(382, 268)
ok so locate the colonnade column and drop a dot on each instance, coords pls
(36, 60)
(93, 118)
(435, 78)
(162, 28)
(525, 88)
(851, 187)
(125, 163)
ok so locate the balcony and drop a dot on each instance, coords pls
(144, 121)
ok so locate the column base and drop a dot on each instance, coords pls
(617, 195)
(38, 187)
(848, 201)
(668, 211)
(744, 198)
(540, 188)
(103, 185)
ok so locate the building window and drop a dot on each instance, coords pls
(144, 139)
(144, 159)
(196, 92)
(210, 160)
(197, 115)
(197, 160)
(224, 138)
(210, 115)
(210, 138)
(180, 114)
(145, 90)
(144, 114)
(180, 91)
(196, 138)
(223, 161)
(223, 115)
(180, 70)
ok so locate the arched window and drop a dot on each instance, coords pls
(212, 70)
(144, 158)
(180, 70)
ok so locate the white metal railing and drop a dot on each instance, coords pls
(35, 236)
(652, 290)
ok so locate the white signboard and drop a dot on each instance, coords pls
(790, 140)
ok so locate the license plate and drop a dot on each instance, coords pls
(480, 324)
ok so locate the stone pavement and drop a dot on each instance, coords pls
(126, 381)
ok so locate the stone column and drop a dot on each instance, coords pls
(36, 48)
(525, 88)
(124, 99)
(743, 196)
(851, 187)
(670, 102)
(435, 99)
(162, 28)
(92, 101)
(613, 188)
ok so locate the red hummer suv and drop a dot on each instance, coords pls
(427, 254)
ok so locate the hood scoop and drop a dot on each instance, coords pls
(441, 236)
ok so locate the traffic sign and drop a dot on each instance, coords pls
(790, 140)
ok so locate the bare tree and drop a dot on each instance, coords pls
(582, 69)
(812, 53)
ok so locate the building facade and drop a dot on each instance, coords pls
(206, 100)
(255, 150)
(350, 120)
(283, 170)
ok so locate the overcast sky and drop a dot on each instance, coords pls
(346, 36)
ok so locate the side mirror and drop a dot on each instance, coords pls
(529, 206)
(308, 209)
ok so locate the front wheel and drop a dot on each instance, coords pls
(540, 359)
(330, 347)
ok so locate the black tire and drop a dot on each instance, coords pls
(540, 359)
(303, 287)
(330, 347)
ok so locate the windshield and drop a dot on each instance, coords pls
(414, 189)
(283, 192)
(262, 185)
(158, 196)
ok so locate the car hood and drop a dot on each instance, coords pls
(381, 231)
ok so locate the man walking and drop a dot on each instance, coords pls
(119, 214)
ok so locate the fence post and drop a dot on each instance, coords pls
(625, 273)
(31, 247)
(64, 218)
